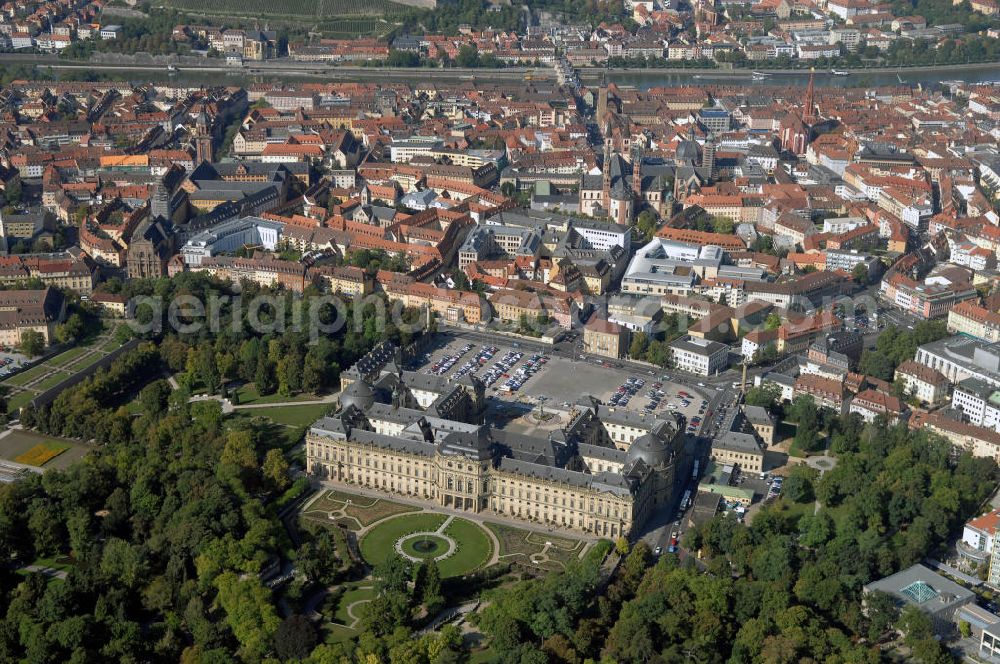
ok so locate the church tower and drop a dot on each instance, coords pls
(606, 173)
(637, 153)
(602, 105)
(808, 113)
(708, 157)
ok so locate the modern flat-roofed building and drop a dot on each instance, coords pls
(700, 356)
(665, 266)
(932, 593)
(978, 401)
(962, 357)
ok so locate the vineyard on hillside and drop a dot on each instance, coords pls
(289, 9)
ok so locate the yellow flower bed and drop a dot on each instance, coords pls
(42, 453)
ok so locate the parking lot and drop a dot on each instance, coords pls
(515, 374)
(9, 361)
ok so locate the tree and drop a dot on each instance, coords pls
(798, 486)
(765, 396)
(773, 322)
(393, 574)
(32, 343)
(239, 450)
(295, 637)
(263, 378)
(468, 56)
(637, 349)
(249, 613)
(964, 628)
(275, 469)
(723, 225)
(71, 330)
(882, 613)
(876, 364)
(154, 397)
(12, 191)
(431, 595)
(860, 273)
(645, 225)
(803, 411)
(806, 438)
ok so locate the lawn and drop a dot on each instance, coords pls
(295, 416)
(484, 657)
(376, 509)
(63, 359)
(474, 548)
(247, 394)
(337, 633)
(50, 382)
(474, 545)
(18, 442)
(285, 435)
(379, 542)
(19, 400)
(42, 453)
(110, 345)
(300, 10)
(793, 511)
(63, 563)
(27, 376)
(355, 594)
(87, 361)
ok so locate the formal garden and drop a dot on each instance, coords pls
(542, 550)
(458, 545)
(352, 512)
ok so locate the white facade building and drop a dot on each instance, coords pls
(979, 402)
(700, 356)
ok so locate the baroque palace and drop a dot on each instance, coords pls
(425, 437)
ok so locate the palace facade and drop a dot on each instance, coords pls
(424, 437)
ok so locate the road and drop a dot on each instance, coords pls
(347, 72)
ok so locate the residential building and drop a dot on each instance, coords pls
(873, 403)
(928, 385)
(602, 337)
(738, 449)
(979, 535)
(973, 319)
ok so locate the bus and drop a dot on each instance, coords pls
(694, 471)
(686, 500)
